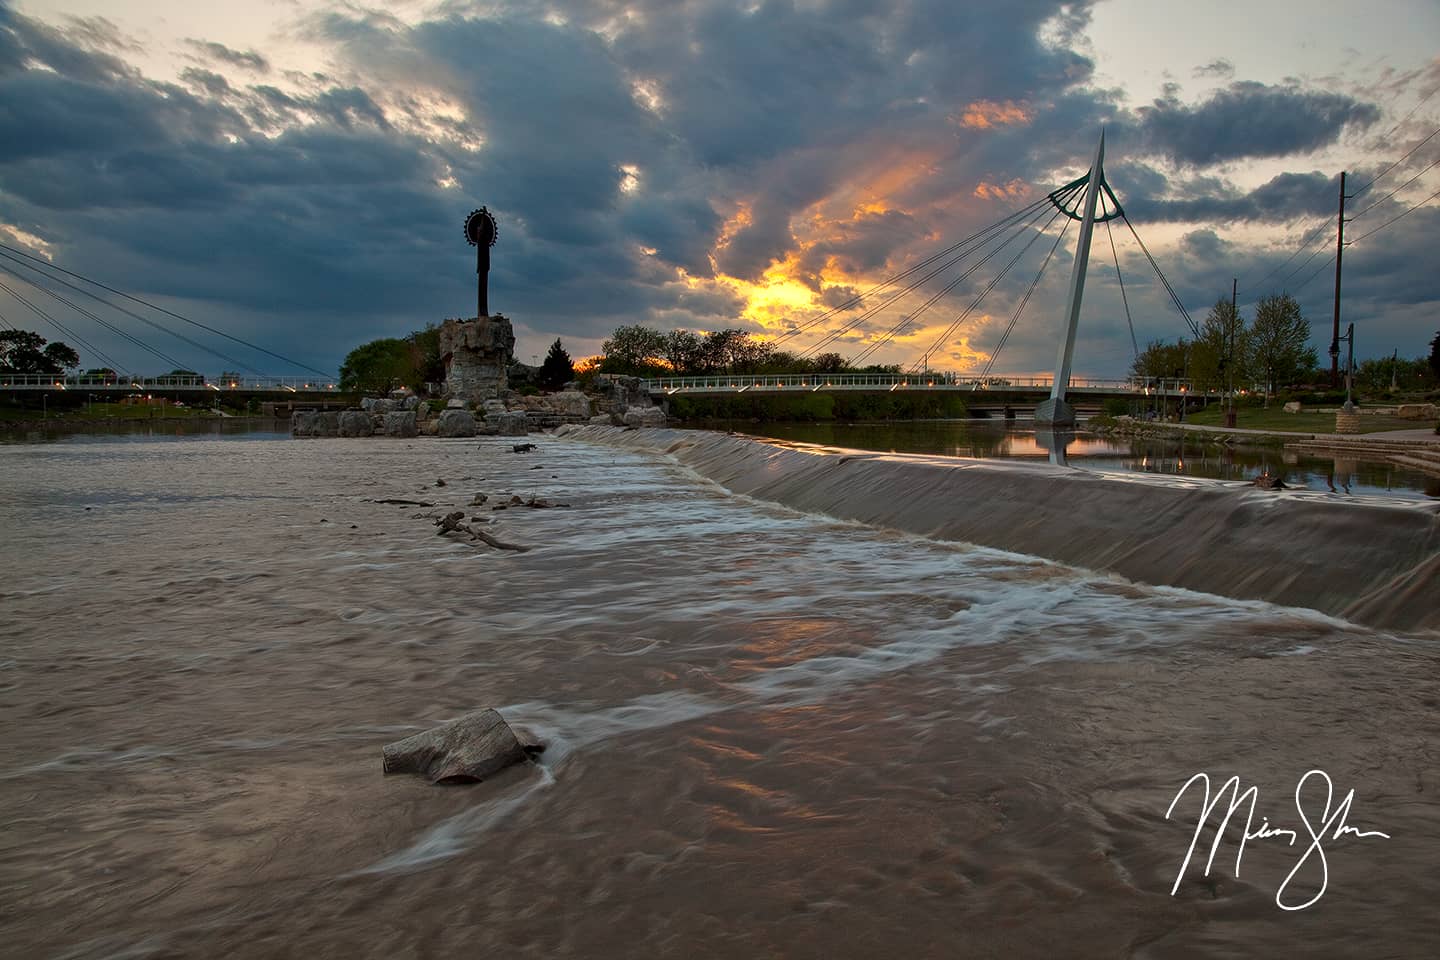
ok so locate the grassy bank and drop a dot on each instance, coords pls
(1274, 419)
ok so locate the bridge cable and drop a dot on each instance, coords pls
(1174, 297)
(858, 298)
(895, 330)
(64, 331)
(175, 364)
(129, 313)
(910, 288)
(964, 275)
(1134, 344)
(1291, 274)
(1020, 308)
(950, 330)
(169, 313)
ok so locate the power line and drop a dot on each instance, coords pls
(1397, 162)
(1392, 193)
(1323, 267)
(1397, 217)
(1304, 245)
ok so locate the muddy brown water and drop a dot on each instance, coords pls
(771, 735)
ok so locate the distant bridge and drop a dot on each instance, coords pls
(1019, 387)
(279, 386)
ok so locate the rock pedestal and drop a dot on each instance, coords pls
(477, 353)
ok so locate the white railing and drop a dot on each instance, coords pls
(813, 382)
(137, 384)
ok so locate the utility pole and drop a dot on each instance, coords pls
(1339, 253)
(1230, 354)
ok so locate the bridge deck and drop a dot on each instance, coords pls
(883, 382)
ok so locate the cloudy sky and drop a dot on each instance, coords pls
(297, 173)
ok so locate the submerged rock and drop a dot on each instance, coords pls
(466, 750)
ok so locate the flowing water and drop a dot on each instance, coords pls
(770, 734)
(981, 438)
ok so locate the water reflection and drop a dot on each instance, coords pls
(1180, 457)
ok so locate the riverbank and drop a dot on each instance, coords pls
(1364, 559)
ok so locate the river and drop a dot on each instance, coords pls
(770, 734)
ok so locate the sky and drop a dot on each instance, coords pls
(297, 173)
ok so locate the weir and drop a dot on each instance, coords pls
(1371, 562)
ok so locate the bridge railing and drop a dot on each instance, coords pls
(135, 383)
(742, 383)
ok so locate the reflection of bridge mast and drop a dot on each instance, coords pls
(1056, 411)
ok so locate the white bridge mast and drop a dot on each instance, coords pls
(1055, 411)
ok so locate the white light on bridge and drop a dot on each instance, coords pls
(213, 387)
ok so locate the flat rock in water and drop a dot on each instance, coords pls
(471, 748)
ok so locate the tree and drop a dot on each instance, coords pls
(557, 370)
(682, 351)
(426, 364)
(1278, 346)
(1161, 360)
(633, 350)
(1435, 355)
(23, 351)
(378, 366)
(1218, 352)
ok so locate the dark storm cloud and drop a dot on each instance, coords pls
(211, 52)
(1279, 200)
(617, 147)
(1250, 119)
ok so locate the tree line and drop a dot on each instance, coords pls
(645, 352)
(1270, 352)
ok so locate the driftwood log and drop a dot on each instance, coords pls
(455, 523)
